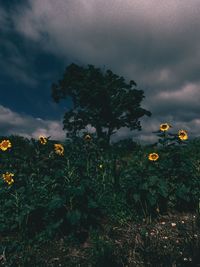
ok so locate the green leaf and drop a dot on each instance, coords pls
(144, 186)
(74, 217)
(92, 204)
(153, 180)
(56, 203)
(136, 197)
(151, 199)
(163, 189)
(182, 192)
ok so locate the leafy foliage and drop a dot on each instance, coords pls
(102, 100)
(54, 196)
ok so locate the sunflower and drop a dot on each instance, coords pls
(164, 127)
(153, 156)
(59, 149)
(88, 137)
(182, 134)
(5, 144)
(8, 178)
(42, 139)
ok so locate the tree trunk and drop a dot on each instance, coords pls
(104, 138)
(99, 131)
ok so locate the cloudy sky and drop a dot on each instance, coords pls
(155, 43)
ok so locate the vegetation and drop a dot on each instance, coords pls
(85, 202)
(102, 100)
(78, 204)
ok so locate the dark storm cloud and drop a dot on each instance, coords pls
(20, 58)
(14, 61)
(14, 64)
(156, 43)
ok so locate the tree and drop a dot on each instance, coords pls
(102, 100)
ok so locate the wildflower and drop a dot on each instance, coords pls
(153, 156)
(173, 224)
(59, 149)
(42, 139)
(164, 127)
(163, 223)
(88, 137)
(158, 210)
(182, 134)
(185, 259)
(8, 178)
(5, 144)
(101, 166)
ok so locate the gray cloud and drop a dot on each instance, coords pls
(28, 126)
(150, 40)
(182, 103)
(154, 42)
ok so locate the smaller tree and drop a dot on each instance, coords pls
(102, 100)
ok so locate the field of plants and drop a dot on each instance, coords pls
(82, 203)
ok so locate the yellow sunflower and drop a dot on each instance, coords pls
(8, 178)
(59, 149)
(43, 140)
(88, 137)
(5, 144)
(182, 134)
(153, 156)
(164, 127)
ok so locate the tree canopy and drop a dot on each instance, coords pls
(100, 99)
